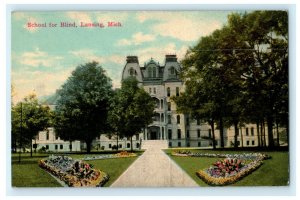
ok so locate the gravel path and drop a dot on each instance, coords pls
(154, 169)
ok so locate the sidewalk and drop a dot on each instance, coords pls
(154, 169)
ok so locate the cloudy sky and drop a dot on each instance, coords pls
(43, 58)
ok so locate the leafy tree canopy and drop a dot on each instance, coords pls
(83, 104)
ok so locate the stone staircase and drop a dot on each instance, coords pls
(154, 144)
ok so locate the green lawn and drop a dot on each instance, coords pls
(273, 172)
(29, 174)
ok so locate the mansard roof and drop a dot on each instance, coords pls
(152, 71)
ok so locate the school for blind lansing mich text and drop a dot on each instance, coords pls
(174, 129)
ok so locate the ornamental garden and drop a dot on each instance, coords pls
(205, 167)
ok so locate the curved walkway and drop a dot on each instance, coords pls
(154, 169)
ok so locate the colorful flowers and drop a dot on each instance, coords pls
(225, 168)
(75, 173)
(229, 170)
(122, 154)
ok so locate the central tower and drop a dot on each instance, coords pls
(161, 82)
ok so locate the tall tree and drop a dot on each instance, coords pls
(132, 109)
(265, 34)
(83, 104)
(28, 118)
(241, 71)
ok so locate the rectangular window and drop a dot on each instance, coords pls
(169, 119)
(169, 134)
(179, 133)
(247, 132)
(137, 145)
(198, 133)
(248, 142)
(47, 146)
(188, 133)
(177, 91)
(109, 145)
(170, 144)
(47, 136)
(61, 146)
(209, 133)
(199, 144)
(169, 106)
(120, 145)
(168, 92)
(128, 145)
(178, 119)
(253, 142)
(252, 131)
(179, 144)
(70, 147)
(150, 90)
(56, 147)
(187, 121)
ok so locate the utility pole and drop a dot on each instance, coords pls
(20, 138)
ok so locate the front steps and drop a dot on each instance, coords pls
(154, 144)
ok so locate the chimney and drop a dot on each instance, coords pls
(132, 59)
(171, 58)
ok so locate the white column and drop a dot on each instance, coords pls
(146, 133)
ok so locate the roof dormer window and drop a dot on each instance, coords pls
(132, 72)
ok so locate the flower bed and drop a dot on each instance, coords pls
(122, 154)
(243, 156)
(75, 173)
(229, 170)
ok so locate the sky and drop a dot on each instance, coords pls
(42, 58)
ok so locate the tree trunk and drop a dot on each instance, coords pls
(117, 141)
(264, 129)
(31, 148)
(270, 132)
(257, 130)
(287, 133)
(261, 134)
(88, 146)
(131, 144)
(213, 133)
(236, 132)
(70, 145)
(277, 131)
(221, 132)
(242, 139)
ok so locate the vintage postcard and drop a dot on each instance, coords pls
(149, 98)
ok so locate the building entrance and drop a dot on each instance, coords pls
(153, 133)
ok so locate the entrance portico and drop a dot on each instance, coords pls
(153, 133)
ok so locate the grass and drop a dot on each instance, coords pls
(273, 172)
(27, 173)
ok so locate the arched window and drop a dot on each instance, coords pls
(149, 72)
(161, 104)
(168, 92)
(178, 119)
(132, 72)
(154, 72)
